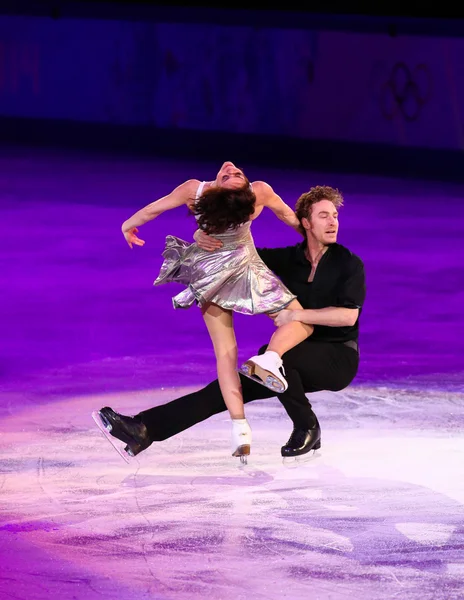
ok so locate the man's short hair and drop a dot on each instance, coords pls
(305, 202)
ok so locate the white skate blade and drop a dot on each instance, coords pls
(270, 382)
(292, 462)
(112, 440)
(243, 452)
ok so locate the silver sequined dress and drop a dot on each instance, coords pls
(234, 276)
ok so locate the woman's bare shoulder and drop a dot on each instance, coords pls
(262, 191)
(191, 185)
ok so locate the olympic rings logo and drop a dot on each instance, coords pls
(405, 92)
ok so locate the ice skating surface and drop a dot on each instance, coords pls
(377, 514)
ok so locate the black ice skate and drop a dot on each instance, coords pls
(129, 430)
(302, 444)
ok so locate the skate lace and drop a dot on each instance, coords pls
(297, 437)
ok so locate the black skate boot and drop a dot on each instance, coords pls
(301, 443)
(129, 430)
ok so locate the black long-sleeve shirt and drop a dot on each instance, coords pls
(339, 281)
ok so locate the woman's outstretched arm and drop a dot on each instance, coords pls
(182, 194)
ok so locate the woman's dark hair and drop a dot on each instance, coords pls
(219, 209)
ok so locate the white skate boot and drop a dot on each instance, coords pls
(266, 369)
(241, 439)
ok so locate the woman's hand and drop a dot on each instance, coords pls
(131, 238)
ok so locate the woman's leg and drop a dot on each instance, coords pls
(220, 327)
(289, 335)
(267, 368)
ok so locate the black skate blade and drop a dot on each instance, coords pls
(292, 462)
(112, 440)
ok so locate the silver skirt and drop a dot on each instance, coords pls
(233, 277)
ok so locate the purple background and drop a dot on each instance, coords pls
(305, 83)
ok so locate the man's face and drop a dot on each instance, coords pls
(323, 223)
(229, 176)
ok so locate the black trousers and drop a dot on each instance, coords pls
(309, 367)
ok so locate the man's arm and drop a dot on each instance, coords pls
(332, 316)
(350, 298)
(275, 259)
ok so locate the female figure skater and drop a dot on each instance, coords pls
(230, 279)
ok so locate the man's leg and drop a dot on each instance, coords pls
(166, 420)
(311, 367)
(162, 422)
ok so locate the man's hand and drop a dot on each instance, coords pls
(205, 241)
(282, 317)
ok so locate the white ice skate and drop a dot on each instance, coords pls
(241, 439)
(266, 369)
